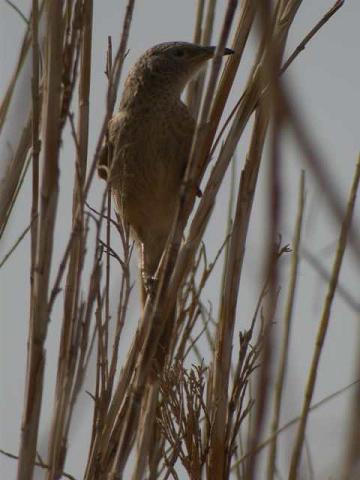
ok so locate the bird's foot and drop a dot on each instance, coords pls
(150, 285)
(193, 186)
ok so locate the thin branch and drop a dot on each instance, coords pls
(38, 464)
(16, 244)
(17, 10)
(49, 198)
(337, 5)
(292, 422)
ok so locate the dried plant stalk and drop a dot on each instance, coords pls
(26, 43)
(70, 345)
(232, 271)
(283, 362)
(48, 206)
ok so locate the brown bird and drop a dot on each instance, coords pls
(149, 143)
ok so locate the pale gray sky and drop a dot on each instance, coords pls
(324, 82)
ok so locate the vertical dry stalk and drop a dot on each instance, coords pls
(48, 206)
(35, 86)
(351, 466)
(193, 87)
(111, 99)
(202, 36)
(323, 326)
(70, 346)
(283, 362)
(196, 156)
(245, 23)
(218, 461)
(14, 165)
(24, 49)
(105, 413)
(275, 28)
(10, 184)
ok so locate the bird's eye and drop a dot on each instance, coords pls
(179, 52)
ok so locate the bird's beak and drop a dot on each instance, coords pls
(228, 51)
(210, 51)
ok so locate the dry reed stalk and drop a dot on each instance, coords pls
(48, 206)
(352, 445)
(302, 45)
(145, 430)
(202, 36)
(108, 239)
(36, 145)
(196, 156)
(111, 99)
(232, 272)
(283, 362)
(193, 87)
(244, 25)
(105, 383)
(275, 25)
(209, 23)
(24, 49)
(73, 327)
(10, 184)
(323, 326)
(16, 244)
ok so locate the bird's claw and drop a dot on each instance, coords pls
(150, 285)
(192, 185)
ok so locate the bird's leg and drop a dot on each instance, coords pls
(149, 281)
(193, 186)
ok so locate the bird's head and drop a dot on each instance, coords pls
(169, 66)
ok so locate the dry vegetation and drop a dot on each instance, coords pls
(156, 415)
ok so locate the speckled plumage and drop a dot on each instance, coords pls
(150, 140)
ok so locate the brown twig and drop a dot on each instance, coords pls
(16, 244)
(74, 333)
(38, 464)
(49, 197)
(292, 422)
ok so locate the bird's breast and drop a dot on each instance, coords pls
(150, 155)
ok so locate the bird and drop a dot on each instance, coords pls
(148, 145)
